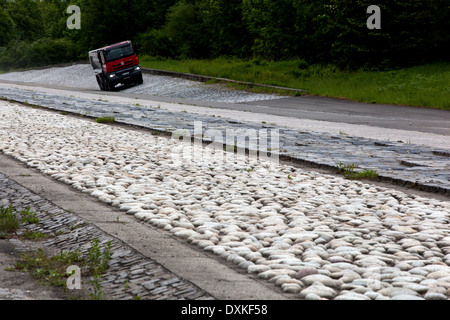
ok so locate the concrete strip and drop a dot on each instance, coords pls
(204, 270)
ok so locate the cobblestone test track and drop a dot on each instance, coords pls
(313, 235)
(404, 163)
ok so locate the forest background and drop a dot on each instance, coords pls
(283, 42)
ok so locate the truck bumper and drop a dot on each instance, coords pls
(126, 76)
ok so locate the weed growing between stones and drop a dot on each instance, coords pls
(53, 270)
(29, 216)
(9, 221)
(98, 264)
(48, 270)
(105, 120)
(349, 172)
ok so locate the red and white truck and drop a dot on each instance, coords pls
(116, 65)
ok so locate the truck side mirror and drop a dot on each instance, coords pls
(136, 48)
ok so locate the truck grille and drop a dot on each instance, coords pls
(119, 66)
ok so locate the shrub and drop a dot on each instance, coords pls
(156, 43)
(9, 221)
(43, 52)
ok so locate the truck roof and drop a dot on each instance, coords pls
(110, 46)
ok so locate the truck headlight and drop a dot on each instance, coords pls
(112, 75)
(137, 68)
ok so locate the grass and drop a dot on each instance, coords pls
(53, 270)
(423, 86)
(9, 220)
(349, 172)
(105, 120)
(49, 270)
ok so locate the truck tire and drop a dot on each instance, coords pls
(103, 83)
(139, 79)
(100, 82)
(106, 84)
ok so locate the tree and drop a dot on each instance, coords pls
(271, 25)
(6, 28)
(313, 28)
(54, 17)
(412, 32)
(27, 19)
(228, 35)
(185, 26)
(107, 22)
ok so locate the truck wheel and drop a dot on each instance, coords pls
(139, 79)
(106, 85)
(100, 83)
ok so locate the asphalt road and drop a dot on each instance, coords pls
(335, 110)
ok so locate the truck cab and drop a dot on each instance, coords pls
(116, 65)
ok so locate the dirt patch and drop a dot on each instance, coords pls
(18, 285)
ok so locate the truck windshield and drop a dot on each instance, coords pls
(118, 52)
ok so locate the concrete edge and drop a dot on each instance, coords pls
(202, 78)
(413, 185)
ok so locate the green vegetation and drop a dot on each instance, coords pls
(35, 235)
(98, 264)
(53, 270)
(349, 172)
(323, 46)
(105, 120)
(29, 216)
(426, 85)
(98, 259)
(34, 32)
(49, 270)
(318, 31)
(9, 220)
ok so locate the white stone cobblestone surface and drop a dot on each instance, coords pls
(315, 235)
